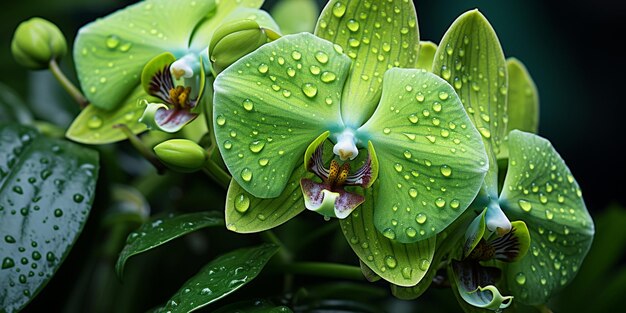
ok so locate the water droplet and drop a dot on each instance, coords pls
(421, 218)
(94, 122)
(36, 255)
(525, 205)
(263, 161)
(242, 203)
(549, 214)
(261, 217)
(257, 145)
(520, 278)
(398, 167)
(389, 233)
(386, 130)
(221, 120)
(9, 239)
(413, 192)
(78, 198)
(390, 261)
(339, 9)
(411, 232)
(328, 77)
(321, 57)
(125, 47)
(263, 68)
(50, 257)
(309, 90)
(431, 138)
(353, 25)
(446, 170)
(443, 95)
(413, 118)
(248, 105)
(58, 212)
(419, 97)
(424, 264)
(437, 107)
(228, 144)
(407, 154)
(206, 291)
(112, 42)
(246, 174)
(7, 263)
(440, 202)
(484, 132)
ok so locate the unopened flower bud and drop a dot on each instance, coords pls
(234, 40)
(181, 155)
(36, 42)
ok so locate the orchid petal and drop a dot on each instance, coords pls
(377, 36)
(540, 189)
(432, 161)
(158, 116)
(270, 104)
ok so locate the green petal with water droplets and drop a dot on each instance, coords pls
(426, 55)
(296, 16)
(246, 213)
(432, 160)
(540, 190)
(398, 263)
(47, 187)
(220, 277)
(522, 102)
(272, 103)
(95, 126)
(377, 35)
(160, 230)
(473, 283)
(111, 52)
(470, 58)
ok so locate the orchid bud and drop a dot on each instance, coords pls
(36, 42)
(181, 155)
(234, 40)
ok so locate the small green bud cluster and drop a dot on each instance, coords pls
(36, 42)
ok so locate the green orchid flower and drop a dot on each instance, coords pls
(538, 189)
(404, 128)
(117, 57)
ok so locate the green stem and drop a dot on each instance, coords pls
(146, 152)
(217, 173)
(322, 269)
(67, 84)
(270, 237)
(306, 241)
(544, 309)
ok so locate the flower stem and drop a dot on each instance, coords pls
(146, 152)
(67, 84)
(217, 173)
(322, 269)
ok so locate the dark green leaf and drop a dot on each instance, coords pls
(220, 278)
(46, 191)
(12, 108)
(256, 306)
(163, 229)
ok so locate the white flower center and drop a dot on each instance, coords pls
(184, 67)
(345, 147)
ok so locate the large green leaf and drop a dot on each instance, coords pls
(378, 36)
(296, 16)
(220, 278)
(96, 126)
(522, 102)
(12, 108)
(540, 190)
(271, 104)
(163, 229)
(46, 190)
(432, 160)
(246, 213)
(111, 52)
(398, 263)
(470, 58)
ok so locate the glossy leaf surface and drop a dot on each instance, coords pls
(220, 277)
(377, 36)
(432, 161)
(271, 104)
(46, 190)
(161, 230)
(400, 264)
(540, 190)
